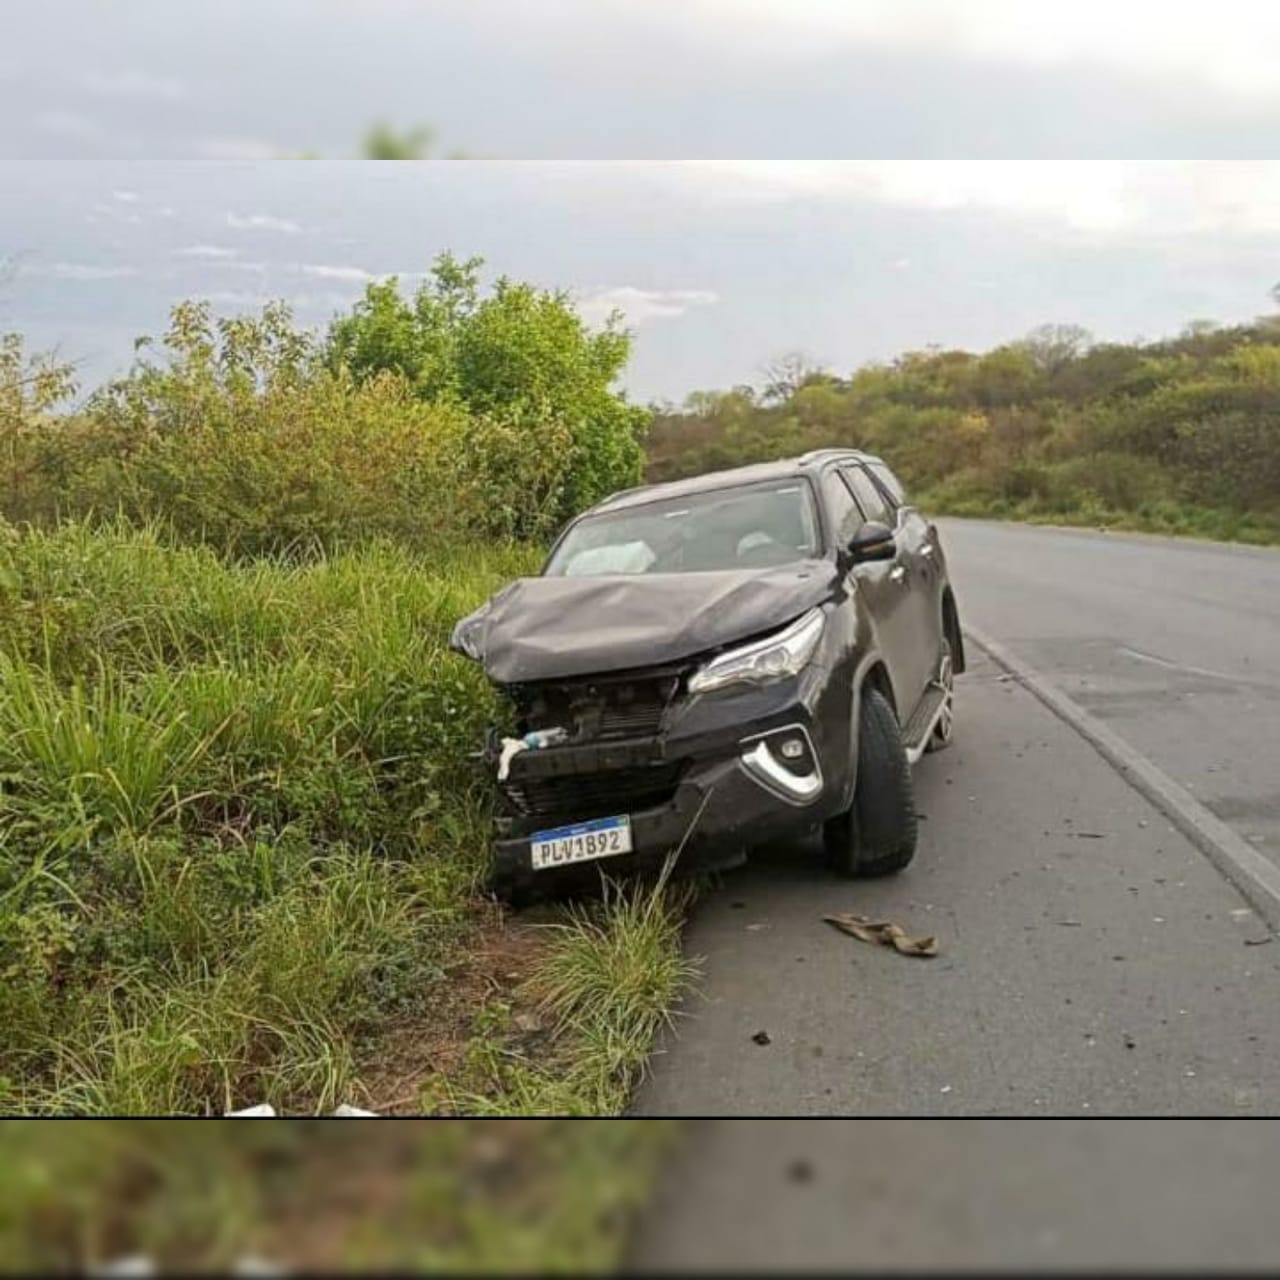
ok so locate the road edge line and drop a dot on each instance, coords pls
(1253, 874)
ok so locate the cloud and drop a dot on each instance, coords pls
(213, 252)
(134, 84)
(322, 271)
(1236, 54)
(125, 197)
(79, 271)
(69, 124)
(639, 305)
(1094, 198)
(262, 222)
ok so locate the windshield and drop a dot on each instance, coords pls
(746, 527)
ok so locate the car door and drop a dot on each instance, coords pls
(905, 630)
(917, 545)
(877, 586)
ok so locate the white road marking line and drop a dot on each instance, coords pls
(1196, 671)
(1253, 874)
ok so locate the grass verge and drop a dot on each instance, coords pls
(309, 1196)
(1163, 518)
(242, 846)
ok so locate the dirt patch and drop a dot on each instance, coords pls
(495, 960)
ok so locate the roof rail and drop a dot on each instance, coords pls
(830, 452)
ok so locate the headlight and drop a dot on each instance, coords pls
(782, 654)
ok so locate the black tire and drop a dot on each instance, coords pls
(876, 835)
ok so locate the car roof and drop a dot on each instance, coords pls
(780, 469)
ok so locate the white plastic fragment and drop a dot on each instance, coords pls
(264, 1110)
(252, 1265)
(535, 740)
(510, 747)
(133, 1264)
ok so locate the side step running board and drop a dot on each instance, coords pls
(916, 732)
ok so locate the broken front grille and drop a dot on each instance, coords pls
(581, 796)
(602, 707)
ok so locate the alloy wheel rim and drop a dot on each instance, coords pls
(946, 682)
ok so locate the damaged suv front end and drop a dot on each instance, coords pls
(672, 704)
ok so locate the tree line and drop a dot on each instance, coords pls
(1180, 434)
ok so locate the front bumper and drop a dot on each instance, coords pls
(730, 788)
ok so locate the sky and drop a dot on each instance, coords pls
(846, 178)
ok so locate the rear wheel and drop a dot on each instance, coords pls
(945, 725)
(876, 835)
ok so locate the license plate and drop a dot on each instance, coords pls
(581, 842)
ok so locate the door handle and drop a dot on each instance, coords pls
(897, 574)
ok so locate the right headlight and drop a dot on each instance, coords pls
(784, 653)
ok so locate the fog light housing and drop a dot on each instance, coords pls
(784, 762)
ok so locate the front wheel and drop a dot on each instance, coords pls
(876, 835)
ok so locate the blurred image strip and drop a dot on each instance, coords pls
(125, 1197)
(128, 1197)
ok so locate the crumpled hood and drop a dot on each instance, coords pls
(551, 628)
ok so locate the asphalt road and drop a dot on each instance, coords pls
(1175, 644)
(1092, 962)
(933, 1196)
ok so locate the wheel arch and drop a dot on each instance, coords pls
(951, 629)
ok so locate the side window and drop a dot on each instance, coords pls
(870, 499)
(845, 517)
(889, 483)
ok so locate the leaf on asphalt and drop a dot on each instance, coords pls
(883, 933)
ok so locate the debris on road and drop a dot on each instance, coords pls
(883, 933)
(762, 1037)
(1258, 942)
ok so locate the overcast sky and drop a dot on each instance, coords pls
(717, 266)
(647, 79)
(136, 145)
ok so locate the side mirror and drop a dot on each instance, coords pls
(874, 541)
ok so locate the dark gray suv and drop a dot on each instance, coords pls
(718, 661)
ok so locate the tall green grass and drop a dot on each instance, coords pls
(238, 826)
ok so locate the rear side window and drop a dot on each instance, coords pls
(846, 519)
(888, 482)
(870, 499)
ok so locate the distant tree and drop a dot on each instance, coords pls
(785, 374)
(1051, 346)
(382, 142)
(1201, 328)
